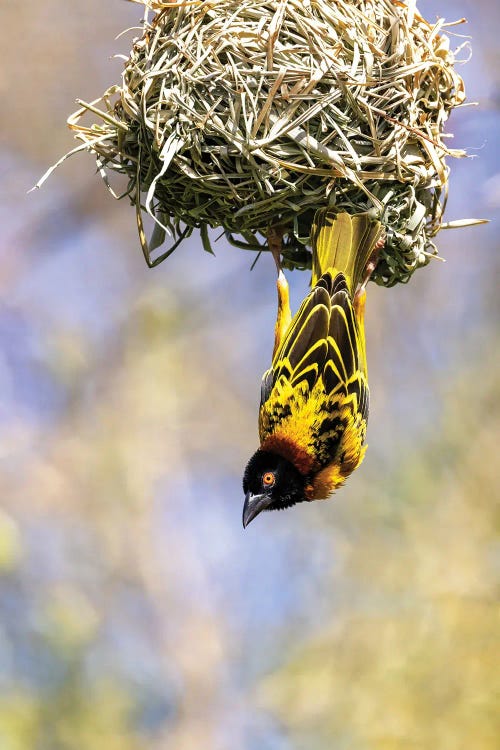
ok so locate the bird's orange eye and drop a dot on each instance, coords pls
(268, 479)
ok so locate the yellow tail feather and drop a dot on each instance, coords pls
(343, 243)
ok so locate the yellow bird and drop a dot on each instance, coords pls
(314, 398)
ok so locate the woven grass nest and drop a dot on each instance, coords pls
(248, 115)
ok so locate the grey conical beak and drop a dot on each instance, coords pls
(254, 504)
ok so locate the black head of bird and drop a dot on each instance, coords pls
(270, 482)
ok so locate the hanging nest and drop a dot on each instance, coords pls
(248, 115)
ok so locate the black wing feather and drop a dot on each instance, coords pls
(321, 341)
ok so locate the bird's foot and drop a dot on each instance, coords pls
(275, 243)
(372, 263)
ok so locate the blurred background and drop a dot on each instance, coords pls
(135, 613)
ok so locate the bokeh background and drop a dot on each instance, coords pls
(135, 613)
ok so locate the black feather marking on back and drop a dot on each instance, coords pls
(340, 334)
(311, 364)
(266, 385)
(317, 296)
(322, 341)
(325, 282)
(342, 360)
(359, 388)
(298, 351)
(332, 284)
(329, 438)
(339, 284)
(309, 326)
(313, 329)
(364, 400)
(334, 374)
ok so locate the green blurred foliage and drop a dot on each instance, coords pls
(10, 543)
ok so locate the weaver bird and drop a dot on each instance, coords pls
(314, 398)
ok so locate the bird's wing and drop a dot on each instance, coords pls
(322, 342)
(337, 442)
(302, 353)
(345, 368)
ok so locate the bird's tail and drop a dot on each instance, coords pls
(344, 244)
